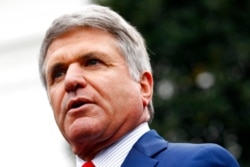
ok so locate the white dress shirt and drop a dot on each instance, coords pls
(117, 152)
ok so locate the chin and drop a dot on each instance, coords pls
(83, 132)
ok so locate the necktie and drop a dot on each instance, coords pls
(88, 164)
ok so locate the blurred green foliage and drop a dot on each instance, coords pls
(200, 53)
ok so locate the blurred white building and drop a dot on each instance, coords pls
(29, 135)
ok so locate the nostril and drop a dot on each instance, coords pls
(71, 84)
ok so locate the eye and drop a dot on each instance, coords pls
(58, 73)
(93, 62)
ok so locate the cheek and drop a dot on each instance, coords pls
(124, 98)
(55, 98)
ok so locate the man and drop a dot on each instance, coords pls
(98, 78)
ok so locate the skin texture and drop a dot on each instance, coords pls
(94, 99)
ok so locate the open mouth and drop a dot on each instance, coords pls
(77, 104)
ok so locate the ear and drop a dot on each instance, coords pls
(146, 83)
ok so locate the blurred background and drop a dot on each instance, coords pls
(200, 53)
(29, 135)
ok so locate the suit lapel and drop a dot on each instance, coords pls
(137, 159)
(144, 149)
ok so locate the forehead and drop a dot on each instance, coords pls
(81, 34)
(88, 39)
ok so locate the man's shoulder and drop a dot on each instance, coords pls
(193, 149)
(187, 154)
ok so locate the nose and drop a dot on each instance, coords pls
(74, 78)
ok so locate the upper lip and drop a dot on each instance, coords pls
(77, 102)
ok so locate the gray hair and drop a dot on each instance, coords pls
(130, 42)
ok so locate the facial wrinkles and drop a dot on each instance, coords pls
(57, 56)
(102, 85)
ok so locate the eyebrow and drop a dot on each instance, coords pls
(93, 54)
(60, 64)
(53, 68)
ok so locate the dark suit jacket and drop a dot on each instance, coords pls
(151, 150)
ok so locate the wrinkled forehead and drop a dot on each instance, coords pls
(101, 41)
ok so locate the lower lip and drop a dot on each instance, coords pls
(82, 109)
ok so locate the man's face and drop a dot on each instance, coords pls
(93, 97)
